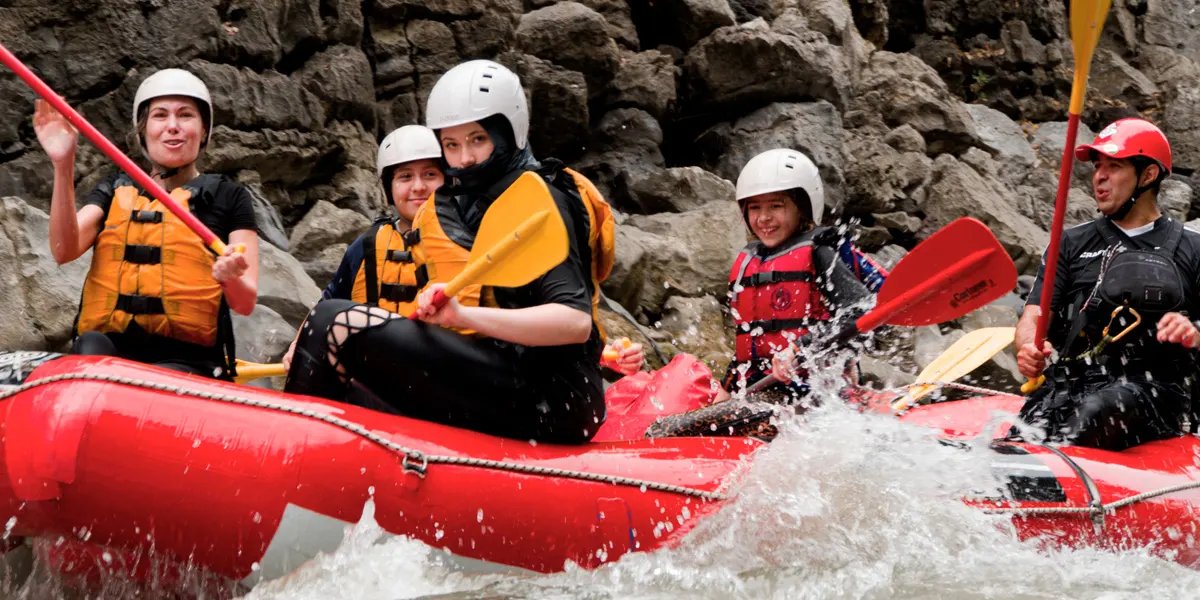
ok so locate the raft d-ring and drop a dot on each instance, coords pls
(418, 468)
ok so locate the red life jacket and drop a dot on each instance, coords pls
(773, 295)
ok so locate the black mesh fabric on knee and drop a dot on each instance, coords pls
(316, 369)
(347, 323)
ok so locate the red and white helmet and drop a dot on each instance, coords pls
(781, 170)
(1128, 138)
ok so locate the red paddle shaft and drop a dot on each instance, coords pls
(12, 62)
(1056, 229)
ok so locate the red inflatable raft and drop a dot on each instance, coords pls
(1147, 496)
(133, 468)
(1144, 497)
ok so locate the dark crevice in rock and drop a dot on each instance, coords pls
(905, 23)
(649, 18)
(749, 10)
(304, 50)
(328, 10)
(684, 138)
(368, 40)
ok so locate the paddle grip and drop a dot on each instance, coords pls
(439, 300)
(12, 62)
(806, 339)
(251, 372)
(611, 354)
(1033, 384)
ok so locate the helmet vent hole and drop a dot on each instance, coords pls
(484, 89)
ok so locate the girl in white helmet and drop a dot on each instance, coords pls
(532, 369)
(154, 292)
(378, 268)
(793, 276)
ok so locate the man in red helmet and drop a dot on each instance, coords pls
(1124, 366)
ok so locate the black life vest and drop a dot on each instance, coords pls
(1147, 280)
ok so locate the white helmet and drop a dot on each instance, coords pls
(174, 82)
(477, 89)
(779, 170)
(408, 143)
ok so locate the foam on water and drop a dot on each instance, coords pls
(842, 505)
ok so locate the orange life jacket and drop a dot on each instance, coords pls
(389, 278)
(443, 247)
(149, 268)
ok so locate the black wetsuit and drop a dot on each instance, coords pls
(552, 394)
(1138, 389)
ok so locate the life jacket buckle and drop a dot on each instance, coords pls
(399, 256)
(142, 254)
(146, 216)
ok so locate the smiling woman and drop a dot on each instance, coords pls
(154, 293)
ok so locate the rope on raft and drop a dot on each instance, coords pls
(414, 460)
(1093, 510)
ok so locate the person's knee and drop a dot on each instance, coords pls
(1108, 405)
(1103, 418)
(94, 343)
(357, 319)
(316, 326)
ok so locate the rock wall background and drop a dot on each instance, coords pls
(917, 112)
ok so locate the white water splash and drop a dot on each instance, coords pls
(842, 505)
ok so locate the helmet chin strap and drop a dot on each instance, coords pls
(1137, 193)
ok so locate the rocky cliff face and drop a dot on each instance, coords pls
(917, 112)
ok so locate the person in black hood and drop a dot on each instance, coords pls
(1125, 284)
(515, 362)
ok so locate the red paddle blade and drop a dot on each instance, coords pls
(955, 271)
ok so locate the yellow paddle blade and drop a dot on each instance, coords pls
(521, 237)
(967, 354)
(1087, 22)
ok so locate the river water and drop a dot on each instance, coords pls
(841, 505)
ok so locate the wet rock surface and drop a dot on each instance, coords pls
(914, 117)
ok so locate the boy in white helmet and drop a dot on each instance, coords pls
(793, 276)
(155, 293)
(532, 369)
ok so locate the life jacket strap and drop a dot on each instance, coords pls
(140, 305)
(774, 325)
(769, 277)
(143, 255)
(398, 293)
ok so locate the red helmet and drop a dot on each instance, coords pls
(1127, 138)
